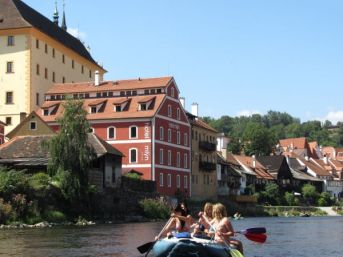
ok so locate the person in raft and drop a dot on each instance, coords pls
(223, 229)
(202, 227)
(179, 221)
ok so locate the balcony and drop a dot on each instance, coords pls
(207, 166)
(207, 146)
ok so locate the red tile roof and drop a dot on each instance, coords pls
(299, 143)
(202, 124)
(97, 102)
(258, 168)
(108, 110)
(120, 85)
(320, 171)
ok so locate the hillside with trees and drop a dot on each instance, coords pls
(258, 134)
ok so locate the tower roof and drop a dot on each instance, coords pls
(15, 14)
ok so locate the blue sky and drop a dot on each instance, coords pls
(232, 57)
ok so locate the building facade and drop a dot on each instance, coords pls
(35, 53)
(204, 157)
(142, 118)
(2, 132)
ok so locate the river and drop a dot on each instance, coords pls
(293, 236)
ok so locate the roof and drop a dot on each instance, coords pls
(202, 124)
(16, 14)
(119, 85)
(272, 163)
(257, 167)
(298, 170)
(2, 123)
(298, 143)
(314, 167)
(231, 159)
(31, 147)
(107, 110)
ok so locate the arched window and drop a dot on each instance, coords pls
(133, 132)
(133, 155)
(111, 133)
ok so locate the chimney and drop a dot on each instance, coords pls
(97, 78)
(183, 102)
(326, 160)
(306, 158)
(195, 109)
(253, 161)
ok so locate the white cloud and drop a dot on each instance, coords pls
(333, 116)
(77, 33)
(247, 113)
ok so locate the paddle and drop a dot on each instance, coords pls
(258, 230)
(259, 238)
(147, 246)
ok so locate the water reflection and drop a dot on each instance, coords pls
(314, 236)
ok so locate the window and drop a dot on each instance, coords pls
(146, 91)
(8, 120)
(33, 125)
(93, 109)
(117, 108)
(46, 112)
(9, 97)
(161, 133)
(161, 179)
(9, 67)
(46, 48)
(37, 43)
(72, 64)
(143, 106)
(53, 77)
(133, 132)
(185, 161)
(178, 181)
(37, 69)
(178, 161)
(63, 58)
(169, 157)
(111, 133)
(82, 69)
(172, 92)
(169, 135)
(46, 73)
(169, 111)
(63, 80)
(169, 180)
(178, 114)
(53, 52)
(37, 98)
(185, 139)
(185, 181)
(90, 74)
(10, 41)
(178, 137)
(133, 155)
(161, 156)
(91, 130)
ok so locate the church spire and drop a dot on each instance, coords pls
(64, 24)
(55, 16)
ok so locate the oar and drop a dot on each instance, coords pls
(259, 238)
(258, 230)
(147, 246)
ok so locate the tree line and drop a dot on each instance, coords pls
(258, 134)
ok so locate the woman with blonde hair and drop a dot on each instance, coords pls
(223, 228)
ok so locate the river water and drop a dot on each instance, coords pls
(296, 236)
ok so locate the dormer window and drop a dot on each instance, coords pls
(143, 106)
(118, 108)
(46, 112)
(120, 104)
(93, 109)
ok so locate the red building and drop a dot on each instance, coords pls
(2, 132)
(142, 118)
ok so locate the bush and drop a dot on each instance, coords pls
(39, 181)
(11, 182)
(155, 209)
(54, 216)
(290, 199)
(132, 175)
(324, 199)
(6, 211)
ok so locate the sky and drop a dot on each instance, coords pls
(232, 57)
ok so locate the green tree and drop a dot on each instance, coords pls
(70, 153)
(290, 198)
(309, 193)
(235, 146)
(257, 139)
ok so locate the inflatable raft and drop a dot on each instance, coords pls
(191, 247)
